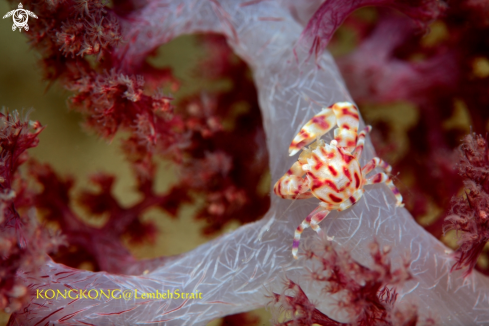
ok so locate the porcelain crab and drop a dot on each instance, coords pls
(332, 171)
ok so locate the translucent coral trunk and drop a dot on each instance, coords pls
(236, 272)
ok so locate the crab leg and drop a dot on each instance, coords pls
(361, 142)
(376, 162)
(311, 220)
(292, 185)
(318, 218)
(384, 178)
(320, 124)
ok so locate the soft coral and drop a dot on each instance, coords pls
(469, 216)
(23, 242)
(361, 292)
(331, 14)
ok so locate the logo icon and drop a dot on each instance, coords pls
(20, 17)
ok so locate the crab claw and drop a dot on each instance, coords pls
(347, 115)
(348, 121)
(320, 124)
